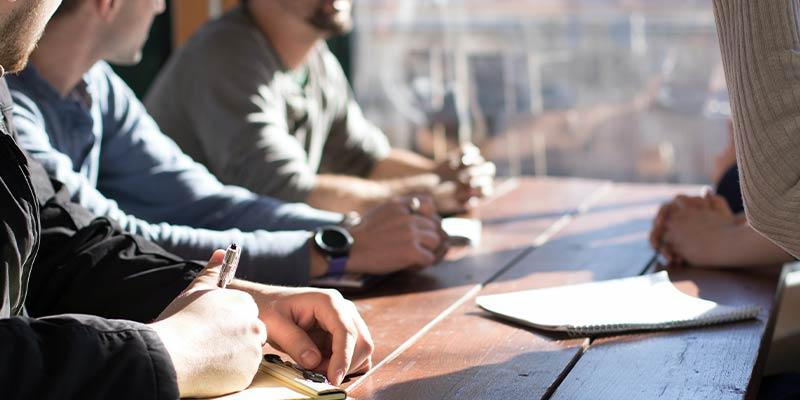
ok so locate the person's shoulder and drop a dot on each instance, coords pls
(103, 82)
(27, 82)
(101, 70)
(26, 91)
(328, 62)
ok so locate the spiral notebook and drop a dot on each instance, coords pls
(647, 302)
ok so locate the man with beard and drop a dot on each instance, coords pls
(84, 124)
(259, 99)
(56, 260)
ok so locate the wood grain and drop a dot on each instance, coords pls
(719, 362)
(468, 355)
(406, 303)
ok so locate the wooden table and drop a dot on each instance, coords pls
(433, 342)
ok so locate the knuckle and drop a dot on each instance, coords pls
(257, 328)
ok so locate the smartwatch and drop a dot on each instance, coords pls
(334, 242)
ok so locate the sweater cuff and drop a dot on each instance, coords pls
(280, 259)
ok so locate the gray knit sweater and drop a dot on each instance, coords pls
(760, 43)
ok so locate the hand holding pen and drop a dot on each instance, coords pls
(224, 355)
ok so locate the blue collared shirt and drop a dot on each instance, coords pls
(116, 162)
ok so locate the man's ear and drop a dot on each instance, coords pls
(106, 9)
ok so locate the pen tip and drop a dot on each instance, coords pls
(233, 246)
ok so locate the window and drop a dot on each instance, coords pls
(626, 90)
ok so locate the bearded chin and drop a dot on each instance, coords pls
(332, 24)
(14, 59)
(19, 37)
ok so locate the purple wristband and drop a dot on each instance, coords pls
(337, 265)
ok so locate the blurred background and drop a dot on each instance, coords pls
(630, 90)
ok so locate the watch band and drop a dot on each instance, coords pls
(337, 265)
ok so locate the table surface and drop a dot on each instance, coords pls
(433, 342)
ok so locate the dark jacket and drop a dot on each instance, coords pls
(58, 265)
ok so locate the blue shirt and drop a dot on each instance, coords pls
(116, 162)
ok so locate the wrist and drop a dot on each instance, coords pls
(172, 343)
(317, 264)
(416, 184)
(723, 250)
(372, 194)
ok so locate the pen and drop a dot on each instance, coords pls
(229, 264)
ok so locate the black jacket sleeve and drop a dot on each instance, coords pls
(83, 357)
(88, 265)
(76, 356)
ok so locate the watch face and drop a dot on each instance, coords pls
(333, 240)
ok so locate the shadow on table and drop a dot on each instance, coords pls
(611, 251)
(556, 214)
(603, 252)
(528, 375)
(469, 270)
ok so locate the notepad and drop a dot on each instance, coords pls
(648, 302)
(276, 381)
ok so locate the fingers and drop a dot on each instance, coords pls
(429, 239)
(684, 202)
(343, 340)
(321, 330)
(660, 224)
(292, 339)
(362, 358)
(343, 347)
(658, 227)
(441, 252)
(477, 174)
(419, 228)
(719, 203)
(352, 349)
(426, 207)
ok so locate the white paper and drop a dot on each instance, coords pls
(643, 302)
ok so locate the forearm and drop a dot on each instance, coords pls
(268, 257)
(402, 163)
(346, 193)
(234, 208)
(759, 43)
(62, 357)
(742, 246)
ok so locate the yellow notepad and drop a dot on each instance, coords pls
(284, 381)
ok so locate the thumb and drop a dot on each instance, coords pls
(208, 277)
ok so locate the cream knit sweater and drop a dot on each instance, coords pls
(760, 43)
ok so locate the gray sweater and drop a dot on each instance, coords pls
(760, 42)
(230, 103)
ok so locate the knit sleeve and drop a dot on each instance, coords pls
(760, 44)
